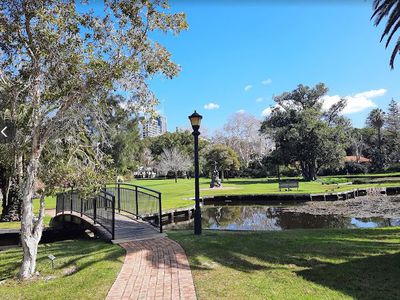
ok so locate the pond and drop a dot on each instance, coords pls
(277, 218)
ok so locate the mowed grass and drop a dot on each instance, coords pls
(180, 194)
(84, 269)
(50, 203)
(294, 264)
(175, 195)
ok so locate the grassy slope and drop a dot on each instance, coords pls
(96, 263)
(295, 264)
(174, 194)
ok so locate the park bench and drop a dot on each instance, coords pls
(288, 185)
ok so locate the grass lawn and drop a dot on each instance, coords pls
(50, 203)
(84, 269)
(295, 264)
(177, 194)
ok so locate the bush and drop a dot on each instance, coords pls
(356, 168)
(289, 172)
(333, 180)
(394, 167)
(348, 168)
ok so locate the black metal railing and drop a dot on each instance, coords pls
(141, 202)
(100, 208)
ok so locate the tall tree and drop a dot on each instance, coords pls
(376, 120)
(59, 63)
(242, 133)
(357, 143)
(182, 140)
(224, 157)
(173, 160)
(392, 126)
(125, 145)
(304, 133)
(391, 10)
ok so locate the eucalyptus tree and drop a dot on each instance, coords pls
(60, 60)
(173, 160)
(304, 133)
(125, 146)
(242, 133)
(389, 9)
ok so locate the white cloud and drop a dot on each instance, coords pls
(259, 99)
(355, 103)
(248, 87)
(211, 106)
(266, 81)
(266, 112)
(241, 111)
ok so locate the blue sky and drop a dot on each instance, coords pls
(271, 48)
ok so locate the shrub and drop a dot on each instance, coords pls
(356, 168)
(333, 180)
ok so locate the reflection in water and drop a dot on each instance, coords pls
(273, 218)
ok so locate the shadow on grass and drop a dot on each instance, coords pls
(364, 264)
(373, 277)
(81, 253)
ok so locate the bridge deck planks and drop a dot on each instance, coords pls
(128, 229)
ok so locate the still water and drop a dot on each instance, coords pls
(277, 218)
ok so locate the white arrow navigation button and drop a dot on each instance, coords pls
(3, 131)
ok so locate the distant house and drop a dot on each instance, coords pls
(357, 159)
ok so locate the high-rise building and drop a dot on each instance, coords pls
(154, 127)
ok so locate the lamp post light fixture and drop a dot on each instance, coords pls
(195, 120)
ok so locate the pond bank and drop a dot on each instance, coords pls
(381, 206)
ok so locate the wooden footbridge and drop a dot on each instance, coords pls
(121, 212)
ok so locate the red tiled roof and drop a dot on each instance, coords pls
(358, 159)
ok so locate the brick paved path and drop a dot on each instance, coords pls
(154, 269)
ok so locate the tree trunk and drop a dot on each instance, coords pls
(222, 175)
(12, 200)
(379, 138)
(176, 177)
(31, 229)
(308, 171)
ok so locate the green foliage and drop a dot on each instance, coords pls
(182, 140)
(304, 133)
(392, 134)
(225, 158)
(333, 180)
(124, 144)
(61, 66)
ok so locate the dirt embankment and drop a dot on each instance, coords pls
(362, 207)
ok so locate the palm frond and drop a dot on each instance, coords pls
(397, 26)
(396, 51)
(382, 9)
(391, 10)
(394, 16)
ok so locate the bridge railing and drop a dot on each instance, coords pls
(141, 202)
(100, 208)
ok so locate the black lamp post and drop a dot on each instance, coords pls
(195, 120)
